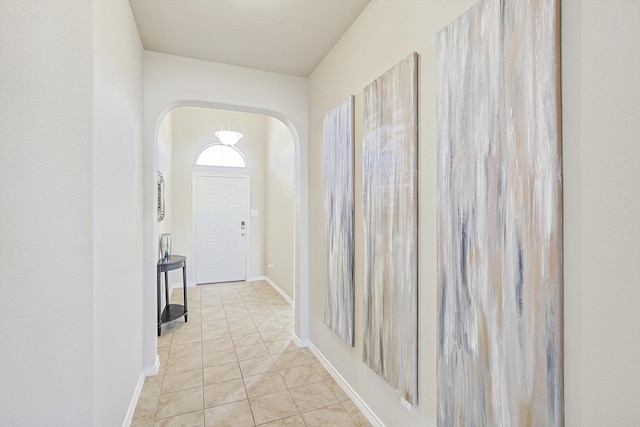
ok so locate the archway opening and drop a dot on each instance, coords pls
(186, 147)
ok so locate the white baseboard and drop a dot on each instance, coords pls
(134, 401)
(274, 286)
(355, 397)
(177, 285)
(299, 342)
(150, 371)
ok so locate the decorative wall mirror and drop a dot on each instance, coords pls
(160, 196)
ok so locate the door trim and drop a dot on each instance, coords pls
(219, 173)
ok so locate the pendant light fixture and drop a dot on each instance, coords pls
(226, 135)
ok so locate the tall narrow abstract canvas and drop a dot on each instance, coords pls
(499, 217)
(338, 228)
(390, 150)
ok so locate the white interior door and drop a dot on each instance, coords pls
(221, 229)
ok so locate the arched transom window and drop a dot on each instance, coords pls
(221, 155)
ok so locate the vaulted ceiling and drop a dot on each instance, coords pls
(283, 36)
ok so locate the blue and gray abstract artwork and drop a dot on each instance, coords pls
(338, 226)
(390, 185)
(499, 217)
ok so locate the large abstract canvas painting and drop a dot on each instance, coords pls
(338, 228)
(499, 217)
(390, 136)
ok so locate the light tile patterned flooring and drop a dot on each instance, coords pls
(234, 363)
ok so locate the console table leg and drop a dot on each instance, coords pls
(167, 295)
(184, 289)
(159, 307)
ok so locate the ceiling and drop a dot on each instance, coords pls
(283, 36)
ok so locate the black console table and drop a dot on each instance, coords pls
(171, 311)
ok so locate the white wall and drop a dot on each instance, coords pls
(279, 205)
(194, 129)
(601, 151)
(46, 219)
(70, 129)
(117, 213)
(164, 154)
(601, 89)
(165, 165)
(170, 82)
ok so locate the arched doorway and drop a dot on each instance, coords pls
(298, 288)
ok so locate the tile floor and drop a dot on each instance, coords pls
(235, 364)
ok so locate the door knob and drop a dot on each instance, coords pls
(242, 234)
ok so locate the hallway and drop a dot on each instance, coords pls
(235, 364)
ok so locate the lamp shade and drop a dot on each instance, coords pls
(228, 137)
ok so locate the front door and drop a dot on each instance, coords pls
(221, 228)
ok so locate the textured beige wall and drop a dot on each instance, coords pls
(601, 132)
(601, 81)
(165, 165)
(117, 212)
(279, 205)
(70, 212)
(46, 213)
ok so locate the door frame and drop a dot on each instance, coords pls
(219, 172)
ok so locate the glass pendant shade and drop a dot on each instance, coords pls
(228, 137)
